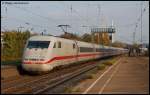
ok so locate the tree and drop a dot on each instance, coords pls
(14, 44)
(118, 44)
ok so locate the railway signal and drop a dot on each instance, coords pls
(102, 32)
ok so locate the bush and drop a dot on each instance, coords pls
(77, 90)
(101, 67)
(14, 45)
(146, 53)
(89, 76)
(68, 89)
(11, 62)
(108, 63)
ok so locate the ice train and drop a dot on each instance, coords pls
(43, 53)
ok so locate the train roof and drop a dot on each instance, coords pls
(49, 38)
(41, 37)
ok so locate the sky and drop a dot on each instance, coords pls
(47, 15)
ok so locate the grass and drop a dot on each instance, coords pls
(71, 89)
(101, 66)
(107, 63)
(77, 90)
(89, 76)
(68, 89)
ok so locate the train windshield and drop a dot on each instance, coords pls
(38, 44)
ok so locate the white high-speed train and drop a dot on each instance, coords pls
(43, 53)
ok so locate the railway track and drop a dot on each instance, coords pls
(63, 80)
(40, 84)
(8, 72)
(50, 86)
(6, 67)
(26, 81)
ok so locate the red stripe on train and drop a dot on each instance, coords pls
(62, 58)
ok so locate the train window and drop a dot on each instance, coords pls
(86, 49)
(100, 50)
(54, 45)
(97, 50)
(38, 44)
(59, 44)
(73, 46)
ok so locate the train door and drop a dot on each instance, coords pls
(76, 51)
(93, 46)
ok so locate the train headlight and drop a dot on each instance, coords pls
(41, 59)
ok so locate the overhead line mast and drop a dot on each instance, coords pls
(99, 9)
(141, 21)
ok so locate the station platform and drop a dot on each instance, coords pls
(129, 75)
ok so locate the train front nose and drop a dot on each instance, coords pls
(35, 55)
(36, 67)
(34, 60)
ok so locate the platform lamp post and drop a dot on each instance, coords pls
(45, 31)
